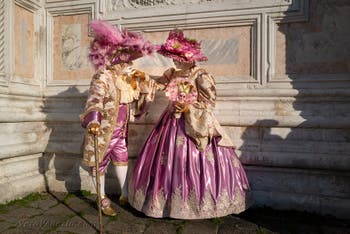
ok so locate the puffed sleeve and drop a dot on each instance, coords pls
(206, 90)
(200, 122)
(94, 104)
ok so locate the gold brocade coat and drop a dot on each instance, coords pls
(109, 88)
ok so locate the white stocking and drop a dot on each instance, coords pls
(121, 172)
(102, 184)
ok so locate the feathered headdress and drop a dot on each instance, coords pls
(111, 45)
(180, 48)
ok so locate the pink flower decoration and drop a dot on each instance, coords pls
(180, 48)
(181, 90)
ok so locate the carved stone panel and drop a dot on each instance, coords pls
(25, 42)
(70, 48)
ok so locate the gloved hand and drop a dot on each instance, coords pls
(180, 107)
(139, 74)
(94, 128)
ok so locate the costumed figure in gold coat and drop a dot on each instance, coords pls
(117, 93)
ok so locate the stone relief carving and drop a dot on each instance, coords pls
(73, 55)
(127, 4)
(118, 4)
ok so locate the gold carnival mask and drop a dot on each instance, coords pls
(185, 87)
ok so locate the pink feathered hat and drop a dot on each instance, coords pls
(180, 48)
(111, 45)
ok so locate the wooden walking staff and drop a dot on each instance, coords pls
(98, 188)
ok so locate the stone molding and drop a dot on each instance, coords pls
(131, 12)
(271, 21)
(5, 38)
(145, 3)
(2, 36)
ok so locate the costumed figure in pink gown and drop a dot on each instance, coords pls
(188, 169)
(115, 89)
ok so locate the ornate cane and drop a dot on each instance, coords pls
(98, 188)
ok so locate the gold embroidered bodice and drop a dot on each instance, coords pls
(200, 122)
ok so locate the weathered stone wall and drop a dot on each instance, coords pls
(282, 72)
(23, 131)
